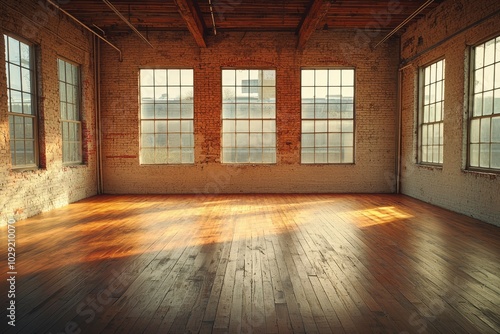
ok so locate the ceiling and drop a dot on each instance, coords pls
(301, 16)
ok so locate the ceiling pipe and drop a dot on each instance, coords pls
(83, 25)
(127, 22)
(402, 24)
(212, 15)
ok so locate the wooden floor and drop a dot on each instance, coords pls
(254, 263)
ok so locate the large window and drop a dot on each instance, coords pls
(484, 133)
(167, 117)
(21, 103)
(248, 116)
(69, 100)
(327, 116)
(431, 114)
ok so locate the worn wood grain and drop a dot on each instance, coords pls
(255, 263)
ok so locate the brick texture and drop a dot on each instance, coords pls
(376, 91)
(442, 34)
(25, 193)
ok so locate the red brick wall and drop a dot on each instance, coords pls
(25, 193)
(376, 74)
(452, 186)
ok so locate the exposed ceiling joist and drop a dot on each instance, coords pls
(191, 15)
(317, 11)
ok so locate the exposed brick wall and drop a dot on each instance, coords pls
(376, 74)
(23, 194)
(472, 193)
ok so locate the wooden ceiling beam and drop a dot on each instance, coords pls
(191, 15)
(316, 12)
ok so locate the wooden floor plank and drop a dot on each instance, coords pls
(255, 263)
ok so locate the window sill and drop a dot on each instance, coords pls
(491, 174)
(78, 165)
(327, 163)
(166, 164)
(26, 169)
(429, 166)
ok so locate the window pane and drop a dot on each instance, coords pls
(484, 155)
(147, 94)
(174, 78)
(335, 77)
(160, 140)
(320, 94)
(495, 156)
(15, 77)
(321, 78)
(187, 110)
(495, 129)
(28, 128)
(347, 155)
(307, 94)
(146, 77)
(160, 78)
(229, 94)
(485, 130)
(321, 126)
(321, 156)
(474, 155)
(307, 110)
(307, 155)
(347, 139)
(334, 126)
(30, 152)
(18, 127)
(334, 139)
(347, 78)
(488, 103)
(488, 81)
(160, 127)
(489, 52)
(229, 139)
(320, 140)
(479, 56)
(160, 156)
(308, 78)
(13, 55)
(20, 158)
(334, 155)
(187, 156)
(228, 77)
(173, 140)
(269, 140)
(307, 140)
(497, 70)
(255, 110)
(307, 126)
(174, 110)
